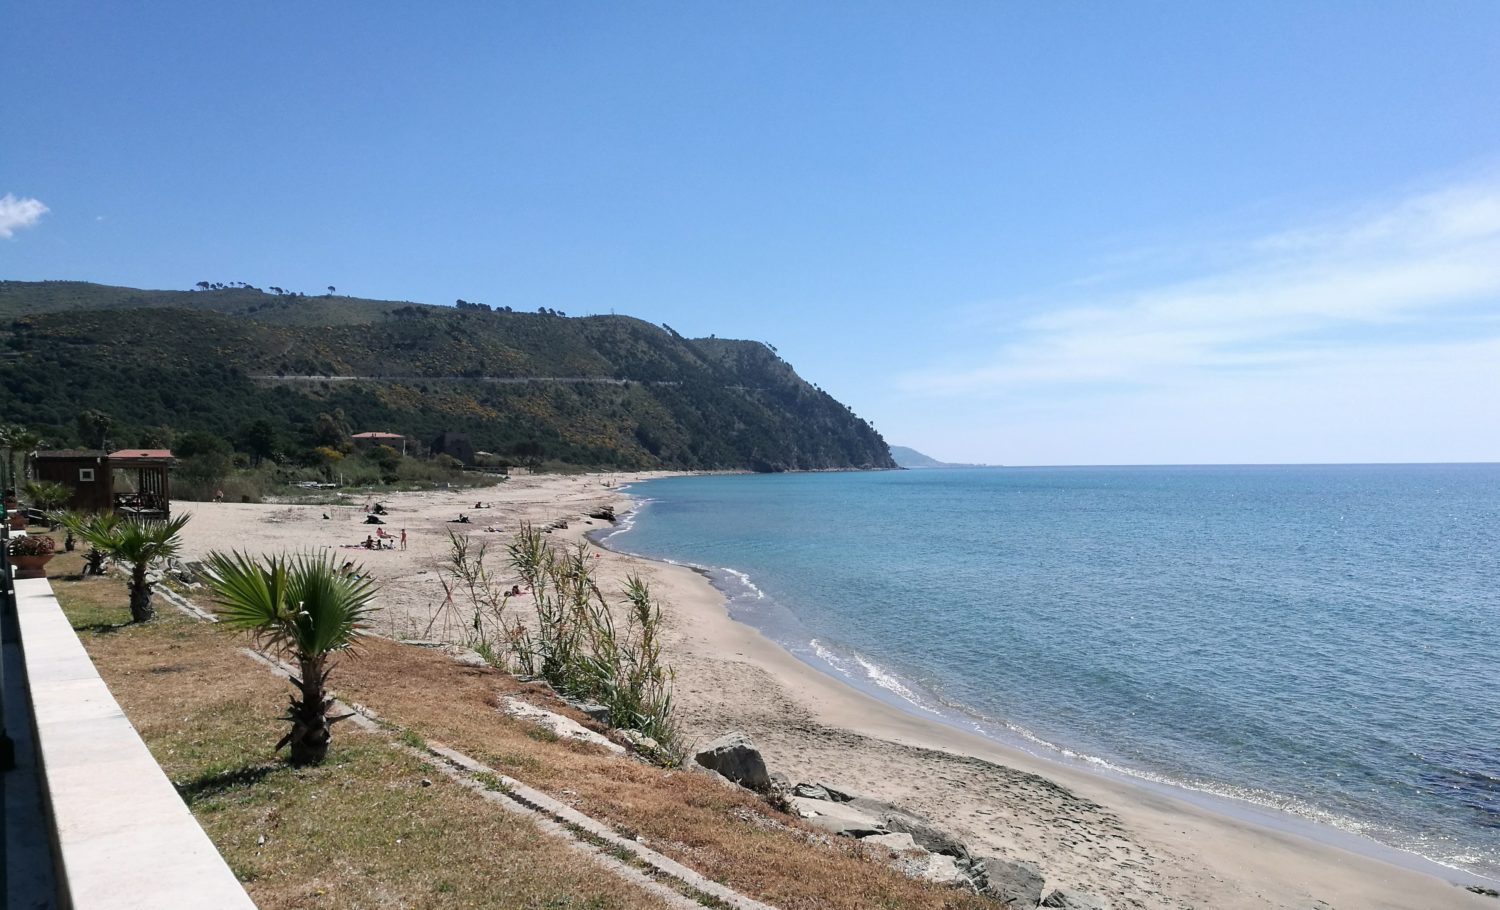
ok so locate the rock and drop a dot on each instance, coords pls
(468, 657)
(597, 713)
(1014, 884)
(935, 868)
(606, 513)
(564, 727)
(837, 818)
(926, 836)
(896, 843)
(866, 804)
(1068, 899)
(735, 757)
(812, 791)
(639, 741)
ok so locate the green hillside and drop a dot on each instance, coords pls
(609, 391)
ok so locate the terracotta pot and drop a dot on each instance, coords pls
(31, 566)
(17, 520)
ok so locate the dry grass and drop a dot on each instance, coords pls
(210, 716)
(362, 830)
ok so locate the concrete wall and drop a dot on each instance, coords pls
(122, 838)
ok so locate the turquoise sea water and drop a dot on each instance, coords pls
(1320, 640)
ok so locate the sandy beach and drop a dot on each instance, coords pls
(1135, 845)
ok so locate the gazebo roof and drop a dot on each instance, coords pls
(142, 456)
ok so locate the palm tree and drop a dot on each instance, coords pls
(47, 495)
(303, 608)
(139, 544)
(91, 529)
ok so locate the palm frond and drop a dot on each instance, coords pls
(302, 604)
(253, 594)
(140, 542)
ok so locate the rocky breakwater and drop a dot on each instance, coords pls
(909, 842)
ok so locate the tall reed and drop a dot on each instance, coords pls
(572, 636)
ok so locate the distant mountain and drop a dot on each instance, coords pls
(605, 391)
(911, 458)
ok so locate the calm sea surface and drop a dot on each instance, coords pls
(1320, 640)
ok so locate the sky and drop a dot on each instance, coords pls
(1004, 232)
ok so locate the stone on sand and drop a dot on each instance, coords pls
(1068, 899)
(926, 836)
(1013, 884)
(735, 757)
(837, 818)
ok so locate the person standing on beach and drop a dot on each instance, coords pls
(403, 538)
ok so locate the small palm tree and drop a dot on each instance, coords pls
(47, 495)
(140, 544)
(303, 608)
(92, 530)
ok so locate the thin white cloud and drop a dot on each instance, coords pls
(17, 213)
(1386, 276)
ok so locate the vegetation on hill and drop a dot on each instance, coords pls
(270, 372)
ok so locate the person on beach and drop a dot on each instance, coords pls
(403, 538)
(369, 542)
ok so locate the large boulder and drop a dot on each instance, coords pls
(1014, 884)
(1068, 899)
(926, 836)
(735, 757)
(836, 818)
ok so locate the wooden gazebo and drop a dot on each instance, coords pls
(143, 481)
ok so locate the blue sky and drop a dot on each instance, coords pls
(1023, 233)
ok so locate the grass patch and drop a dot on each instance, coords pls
(361, 830)
(410, 738)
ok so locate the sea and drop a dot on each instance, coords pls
(1316, 642)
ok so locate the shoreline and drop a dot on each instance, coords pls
(1361, 871)
(1133, 845)
(999, 732)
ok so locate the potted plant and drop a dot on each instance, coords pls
(30, 555)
